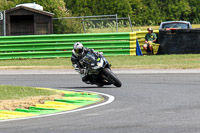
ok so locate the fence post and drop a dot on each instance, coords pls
(4, 23)
(130, 23)
(116, 23)
(2, 14)
(82, 21)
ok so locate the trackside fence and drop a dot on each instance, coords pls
(60, 45)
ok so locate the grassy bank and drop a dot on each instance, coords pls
(186, 61)
(127, 29)
(17, 92)
(190, 61)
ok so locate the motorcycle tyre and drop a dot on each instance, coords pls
(99, 85)
(111, 75)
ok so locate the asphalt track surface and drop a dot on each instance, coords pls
(150, 102)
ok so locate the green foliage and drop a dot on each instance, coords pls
(195, 9)
(65, 26)
(4, 4)
(155, 11)
(142, 12)
(99, 7)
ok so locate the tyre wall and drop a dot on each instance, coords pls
(179, 41)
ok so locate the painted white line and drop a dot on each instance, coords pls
(110, 100)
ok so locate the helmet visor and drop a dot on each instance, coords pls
(79, 51)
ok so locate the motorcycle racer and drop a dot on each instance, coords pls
(93, 66)
(78, 52)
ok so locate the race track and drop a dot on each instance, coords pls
(146, 103)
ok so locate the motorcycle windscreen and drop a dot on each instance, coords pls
(89, 58)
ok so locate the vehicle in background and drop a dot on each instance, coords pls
(168, 25)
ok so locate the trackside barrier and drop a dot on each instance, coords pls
(60, 45)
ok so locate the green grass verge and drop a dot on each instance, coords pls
(18, 92)
(127, 29)
(181, 61)
(189, 61)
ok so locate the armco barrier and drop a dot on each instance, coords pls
(60, 45)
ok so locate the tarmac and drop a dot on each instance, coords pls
(116, 71)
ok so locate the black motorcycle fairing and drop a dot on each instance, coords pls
(98, 70)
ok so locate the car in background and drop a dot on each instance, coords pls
(175, 25)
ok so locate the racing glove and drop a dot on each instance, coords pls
(82, 71)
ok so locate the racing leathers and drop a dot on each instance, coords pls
(75, 59)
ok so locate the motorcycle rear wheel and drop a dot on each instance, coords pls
(113, 78)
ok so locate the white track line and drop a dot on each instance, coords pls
(110, 100)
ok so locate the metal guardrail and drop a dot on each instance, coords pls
(60, 45)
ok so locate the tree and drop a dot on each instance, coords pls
(195, 9)
(142, 12)
(139, 12)
(155, 11)
(5, 4)
(99, 7)
(176, 9)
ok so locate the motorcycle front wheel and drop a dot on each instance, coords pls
(111, 76)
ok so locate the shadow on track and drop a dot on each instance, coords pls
(85, 87)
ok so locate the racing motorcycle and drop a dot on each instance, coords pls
(98, 70)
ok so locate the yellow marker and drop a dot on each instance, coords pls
(132, 52)
(132, 47)
(132, 36)
(132, 44)
(82, 98)
(57, 103)
(15, 113)
(59, 107)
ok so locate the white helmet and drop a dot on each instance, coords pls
(78, 49)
